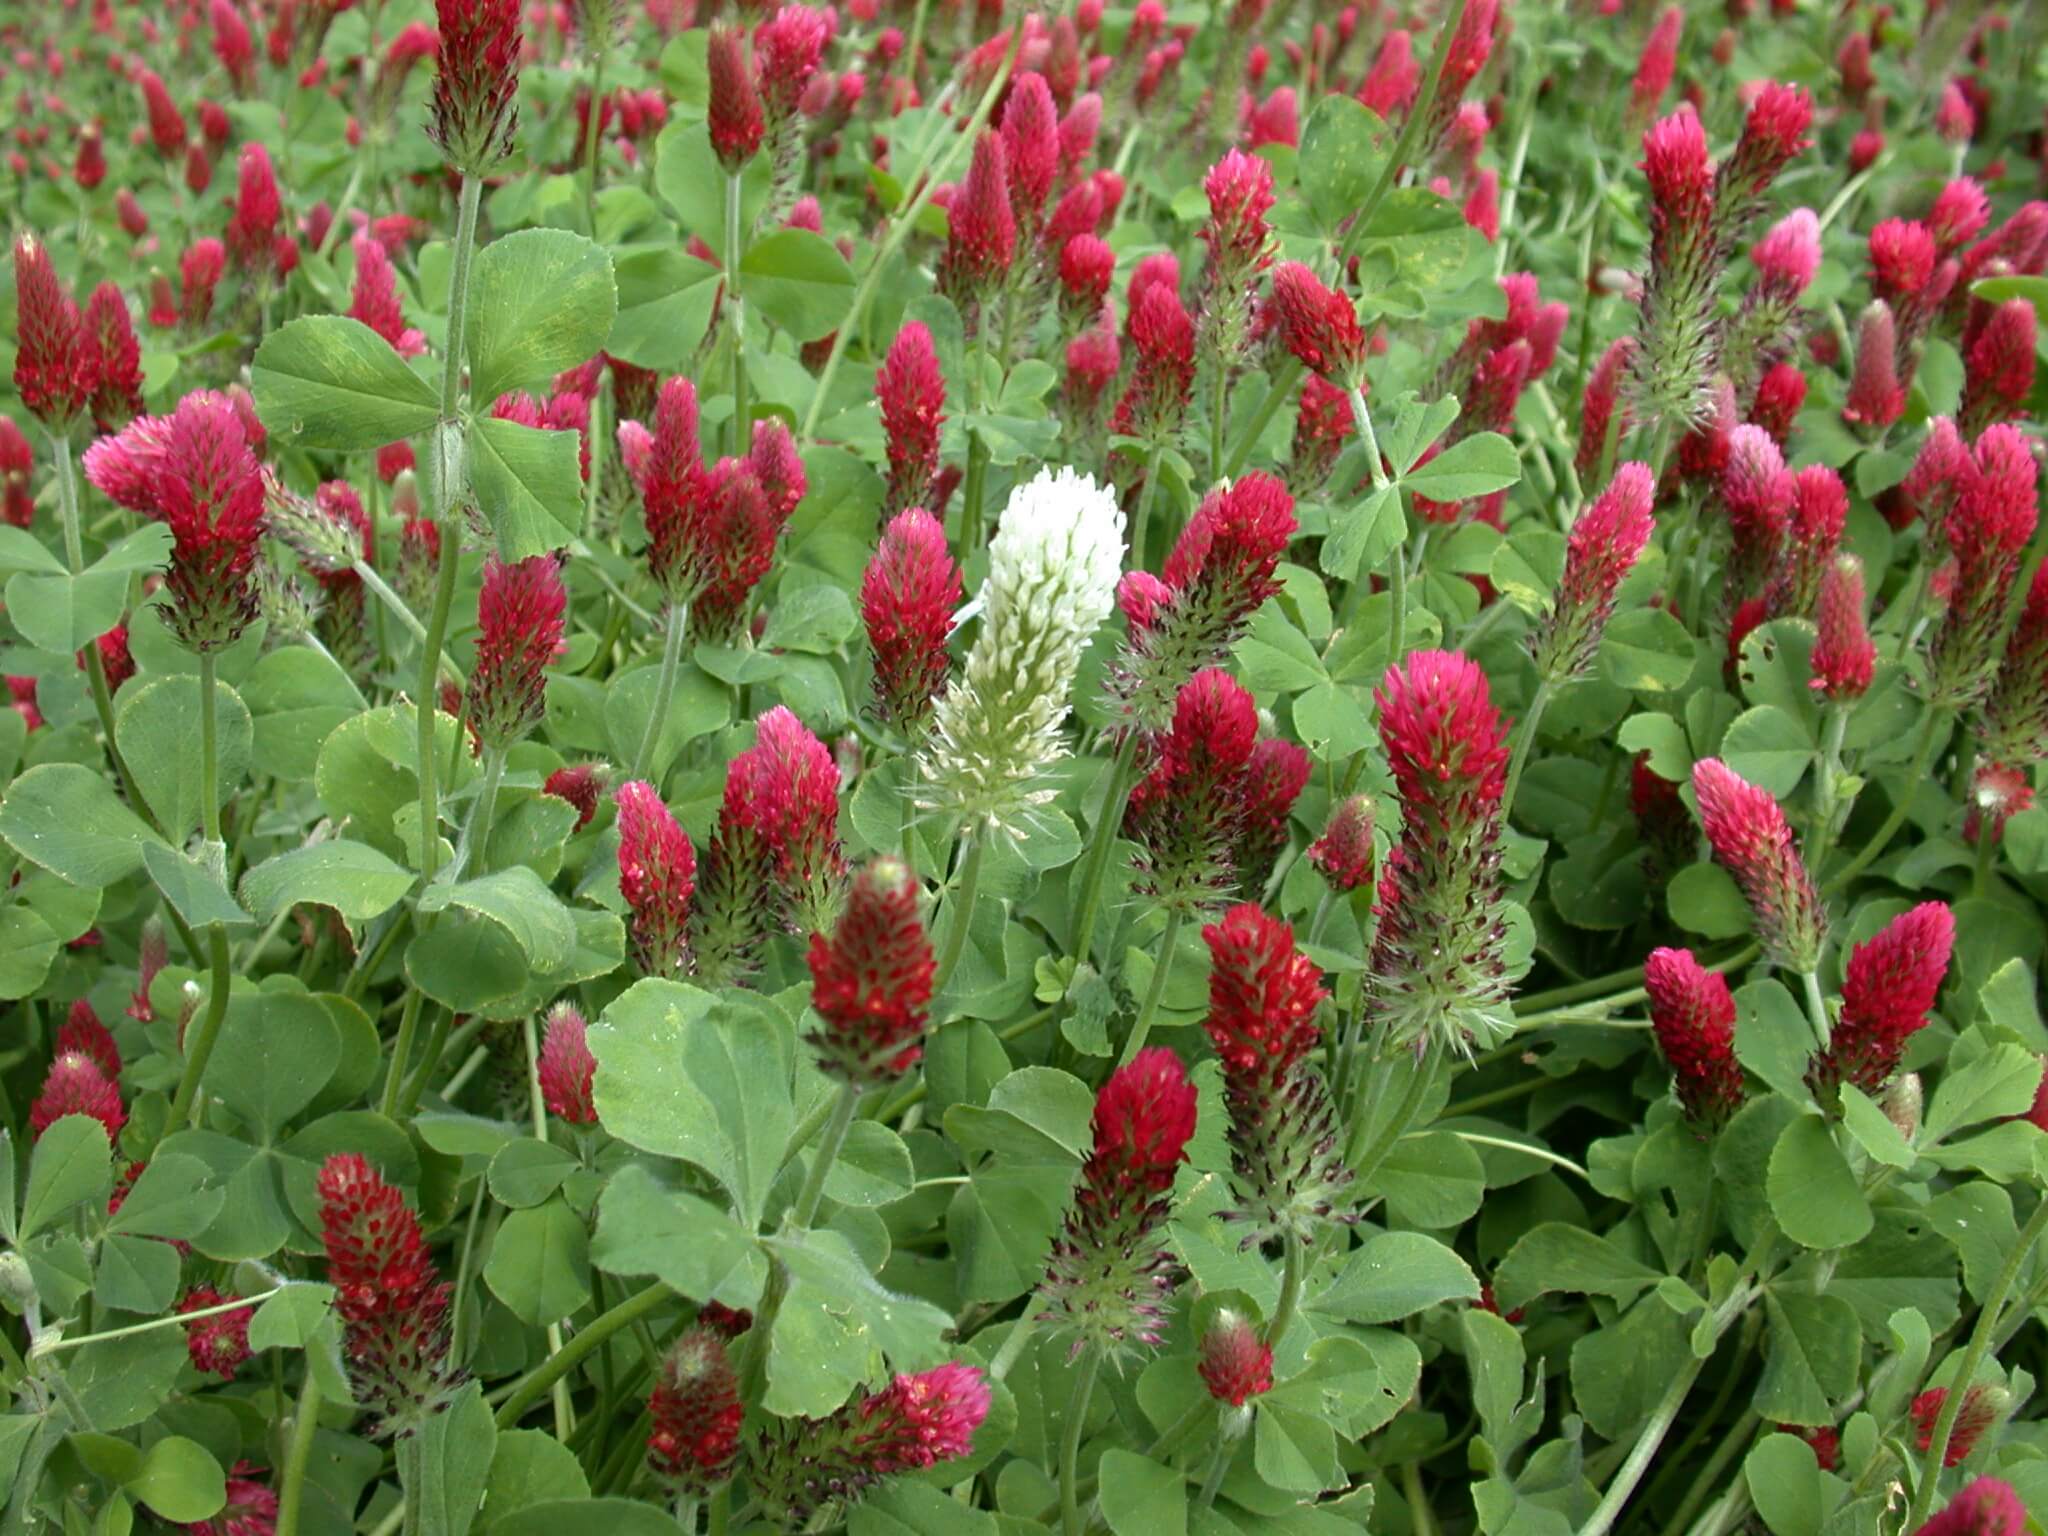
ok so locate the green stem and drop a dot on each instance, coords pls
(186, 1103)
(664, 688)
(1525, 738)
(47, 1346)
(410, 1458)
(537, 1382)
(476, 828)
(735, 312)
(805, 1211)
(1279, 389)
(1095, 873)
(401, 1053)
(1923, 757)
(1293, 1272)
(209, 751)
(565, 1416)
(590, 134)
(1141, 520)
(971, 490)
(1161, 969)
(1218, 397)
(1014, 1341)
(445, 521)
(298, 1456)
(1973, 1356)
(1816, 1007)
(960, 910)
(366, 573)
(1361, 418)
(1070, 1442)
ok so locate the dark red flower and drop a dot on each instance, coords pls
(56, 365)
(1984, 1406)
(520, 615)
(76, 1085)
(1263, 994)
(582, 785)
(912, 394)
(1751, 839)
(219, 1344)
(566, 1068)
(871, 980)
(657, 875)
(696, 1413)
(1319, 325)
(907, 600)
(476, 82)
(1888, 987)
(83, 1033)
(1693, 1016)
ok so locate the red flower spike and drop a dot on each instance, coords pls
(75, 1085)
(1235, 1364)
(1693, 1017)
(1263, 994)
(1788, 255)
(1752, 840)
(1319, 325)
(981, 240)
(671, 491)
(1658, 62)
(1779, 396)
(1185, 812)
(1273, 780)
(117, 396)
(83, 1034)
(166, 123)
(56, 368)
(1605, 543)
(1902, 256)
(696, 1413)
(777, 467)
(735, 118)
(476, 82)
(657, 876)
(1844, 659)
(582, 785)
(912, 393)
(1876, 396)
(1110, 1271)
(566, 1068)
(1960, 212)
(1987, 530)
(391, 1300)
(520, 616)
(1987, 1507)
(1603, 398)
(1087, 267)
(1031, 146)
(374, 298)
(1984, 1406)
(907, 599)
(1998, 375)
(1163, 336)
(253, 231)
(1773, 135)
(733, 546)
(1344, 854)
(1888, 987)
(787, 48)
(871, 980)
(219, 1344)
(200, 270)
(1931, 484)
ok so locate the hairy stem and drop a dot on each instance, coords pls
(1070, 1442)
(298, 1456)
(960, 910)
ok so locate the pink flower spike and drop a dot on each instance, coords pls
(567, 1069)
(1752, 840)
(871, 979)
(907, 599)
(1605, 543)
(1319, 325)
(476, 82)
(1987, 1507)
(520, 616)
(1693, 1017)
(657, 876)
(1876, 396)
(912, 394)
(1844, 659)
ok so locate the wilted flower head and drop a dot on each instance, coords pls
(657, 874)
(1888, 987)
(1110, 1269)
(566, 1067)
(1752, 840)
(696, 1413)
(907, 600)
(1605, 543)
(1438, 969)
(1693, 1016)
(476, 82)
(912, 393)
(520, 617)
(392, 1303)
(582, 785)
(216, 1345)
(1053, 566)
(871, 979)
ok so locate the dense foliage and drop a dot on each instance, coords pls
(937, 769)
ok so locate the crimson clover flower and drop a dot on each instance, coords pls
(1693, 1017)
(1888, 987)
(696, 1412)
(871, 979)
(476, 82)
(907, 600)
(657, 874)
(566, 1068)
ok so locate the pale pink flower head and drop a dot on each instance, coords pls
(1604, 545)
(1789, 253)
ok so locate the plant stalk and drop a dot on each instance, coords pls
(664, 688)
(1161, 969)
(735, 313)
(1525, 738)
(1070, 1442)
(298, 1456)
(960, 910)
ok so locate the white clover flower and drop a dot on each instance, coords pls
(1053, 569)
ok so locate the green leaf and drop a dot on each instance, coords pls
(1395, 1275)
(529, 484)
(1361, 537)
(525, 1171)
(292, 1318)
(1815, 1348)
(873, 1167)
(27, 947)
(540, 301)
(699, 706)
(68, 819)
(158, 731)
(1993, 1086)
(326, 381)
(518, 901)
(684, 1241)
(454, 1457)
(906, 1508)
(528, 1467)
(1813, 1193)
(612, 1517)
(180, 1480)
(1139, 1496)
(1873, 1129)
(1785, 1485)
(353, 878)
(62, 613)
(1769, 748)
(1647, 650)
(466, 963)
(170, 1198)
(540, 1264)
(1294, 1451)
(1557, 1257)
(1703, 898)
(136, 1274)
(684, 1074)
(72, 1163)
(799, 280)
(193, 888)
(666, 298)
(1344, 149)
(839, 1325)
(1477, 465)
(297, 696)
(276, 1052)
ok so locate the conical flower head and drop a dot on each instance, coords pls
(871, 979)
(1235, 1364)
(476, 82)
(1110, 1270)
(566, 1068)
(1163, 372)
(75, 1085)
(373, 297)
(1344, 854)
(981, 240)
(252, 233)
(735, 118)
(1998, 376)
(1605, 543)
(657, 875)
(911, 391)
(1239, 188)
(1438, 966)
(907, 600)
(1676, 344)
(1876, 396)
(1984, 1409)
(1994, 515)
(1031, 146)
(696, 1413)
(1053, 568)
(1987, 1507)
(117, 396)
(83, 1033)
(787, 49)
(1185, 811)
(1888, 987)
(1773, 135)
(1597, 411)
(1693, 1017)
(1844, 659)
(670, 480)
(1751, 839)
(1319, 326)
(802, 1466)
(1263, 996)
(391, 1300)
(56, 367)
(732, 546)
(785, 789)
(520, 616)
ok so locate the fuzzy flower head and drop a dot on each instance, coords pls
(392, 1302)
(83, 1033)
(1693, 1017)
(566, 1067)
(194, 471)
(1319, 326)
(1844, 659)
(1751, 839)
(1876, 396)
(912, 393)
(981, 239)
(1676, 342)
(1998, 376)
(1239, 188)
(1110, 1270)
(76, 1085)
(117, 397)
(1994, 515)
(1437, 959)
(907, 600)
(871, 979)
(476, 82)
(1053, 568)
(735, 118)
(252, 234)
(1263, 995)
(1888, 987)
(582, 785)
(1235, 1364)
(1603, 399)
(56, 366)
(1605, 543)
(1773, 135)
(802, 1466)
(1344, 854)
(784, 790)
(1185, 811)
(217, 1345)
(520, 617)
(657, 874)
(1984, 1408)
(696, 1413)
(1162, 335)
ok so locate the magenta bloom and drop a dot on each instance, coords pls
(1605, 543)
(1186, 810)
(871, 979)
(1657, 63)
(1994, 515)
(1163, 376)
(476, 82)
(110, 334)
(981, 240)
(1888, 987)
(1998, 376)
(1319, 325)
(1844, 659)
(76, 1085)
(1344, 854)
(907, 600)
(374, 298)
(1693, 1016)
(1752, 840)
(1877, 397)
(735, 118)
(217, 1345)
(657, 874)
(1235, 1364)
(801, 1466)
(696, 1413)
(520, 617)
(253, 233)
(566, 1067)
(1603, 397)
(1031, 146)
(56, 365)
(912, 393)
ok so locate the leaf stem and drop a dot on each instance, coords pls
(1525, 738)
(536, 1383)
(735, 312)
(1923, 757)
(298, 1456)
(960, 909)
(1161, 969)
(1293, 1271)
(565, 1415)
(1070, 1441)
(805, 1211)
(664, 688)
(1095, 873)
